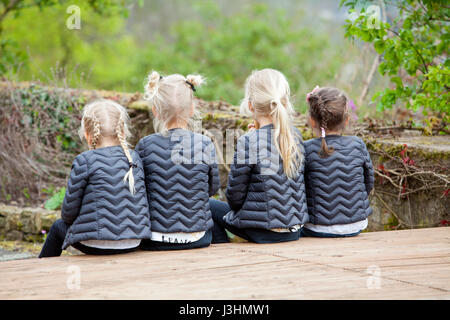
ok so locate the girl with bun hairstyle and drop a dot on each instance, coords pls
(180, 166)
(338, 173)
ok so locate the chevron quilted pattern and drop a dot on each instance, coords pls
(181, 174)
(98, 204)
(261, 199)
(337, 187)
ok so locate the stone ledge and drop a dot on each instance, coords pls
(25, 223)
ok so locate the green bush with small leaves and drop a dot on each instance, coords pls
(413, 49)
(55, 202)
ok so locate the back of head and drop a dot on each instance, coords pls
(268, 92)
(172, 96)
(328, 107)
(106, 118)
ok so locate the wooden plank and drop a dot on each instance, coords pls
(411, 264)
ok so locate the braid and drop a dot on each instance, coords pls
(120, 131)
(319, 110)
(96, 131)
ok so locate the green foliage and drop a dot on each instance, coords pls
(11, 56)
(55, 202)
(52, 115)
(227, 48)
(16, 35)
(223, 47)
(413, 48)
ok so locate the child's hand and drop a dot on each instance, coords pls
(251, 126)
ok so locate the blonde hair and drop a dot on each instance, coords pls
(172, 96)
(106, 118)
(268, 92)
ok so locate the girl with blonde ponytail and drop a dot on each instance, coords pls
(266, 190)
(105, 210)
(180, 168)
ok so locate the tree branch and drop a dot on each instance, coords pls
(11, 6)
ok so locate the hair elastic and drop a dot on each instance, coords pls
(310, 93)
(323, 132)
(133, 165)
(191, 85)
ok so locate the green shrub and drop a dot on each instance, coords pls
(414, 50)
(55, 202)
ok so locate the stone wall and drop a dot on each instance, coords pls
(25, 223)
(427, 208)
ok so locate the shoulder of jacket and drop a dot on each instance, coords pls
(83, 157)
(148, 138)
(253, 134)
(201, 137)
(356, 140)
(312, 142)
(297, 133)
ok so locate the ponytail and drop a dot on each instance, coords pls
(325, 151)
(285, 139)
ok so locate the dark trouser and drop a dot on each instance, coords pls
(55, 239)
(309, 233)
(205, 241)
(219, 209)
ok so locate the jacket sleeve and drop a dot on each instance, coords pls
(239, 176)
(75, 190)
(368, 169)
(214, 179)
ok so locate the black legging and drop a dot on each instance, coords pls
(219, 209)
(55, 239)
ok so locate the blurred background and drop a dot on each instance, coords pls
(389, 56)
(119, 42)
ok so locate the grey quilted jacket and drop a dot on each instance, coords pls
(258, 192)
(337, 187)
(98, 204)
(181, 174)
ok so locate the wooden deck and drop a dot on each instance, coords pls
(409, 264)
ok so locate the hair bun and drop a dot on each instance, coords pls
(152, 85)
(195, 79)
(314, 98)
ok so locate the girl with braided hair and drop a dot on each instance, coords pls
(105, 209)
(338, 172)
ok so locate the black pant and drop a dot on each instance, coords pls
(55, 239)
(219, 209)
(205, 241)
